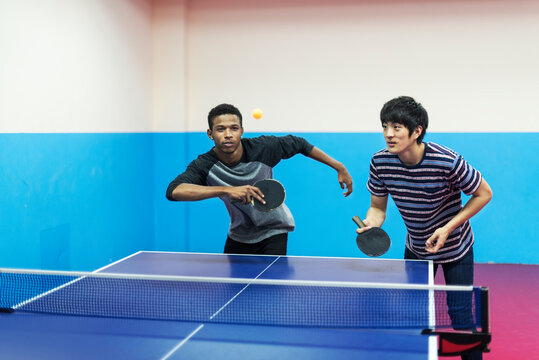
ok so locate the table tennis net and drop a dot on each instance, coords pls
(240, 301)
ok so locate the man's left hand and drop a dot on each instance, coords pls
(436, 241)
(345, 180)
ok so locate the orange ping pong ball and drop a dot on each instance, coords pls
(257, 113)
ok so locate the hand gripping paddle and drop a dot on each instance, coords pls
(274, 195)
(373, 242)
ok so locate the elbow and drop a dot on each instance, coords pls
(169, 196)
(488, 191)
(484, 193)
(489, 195)
(170, 192)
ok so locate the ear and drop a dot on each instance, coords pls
(210, 135)
(417, 132)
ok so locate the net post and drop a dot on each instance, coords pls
(485, 323)
(485, 315)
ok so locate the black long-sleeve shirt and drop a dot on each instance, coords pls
(260, 155)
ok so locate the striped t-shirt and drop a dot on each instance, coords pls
(428, 196)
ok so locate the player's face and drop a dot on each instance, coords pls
(398, 138)
(226, 133)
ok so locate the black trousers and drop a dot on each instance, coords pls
(459, 272)
(274, 245)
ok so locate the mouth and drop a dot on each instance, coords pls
(391, 143)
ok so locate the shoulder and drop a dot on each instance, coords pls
(439, 156)
(255, 148)
(384, 156)
(280, 147)
(434, 149)
(204, 161)
(263, 140)
(381, 153)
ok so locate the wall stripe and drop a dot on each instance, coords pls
(79, 201)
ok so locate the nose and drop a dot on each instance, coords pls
(228, 133)
(389, 132)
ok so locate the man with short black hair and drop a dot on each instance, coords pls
(425, 181)
(230, 169)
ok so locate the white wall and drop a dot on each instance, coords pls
(169, 68)
(329, 65)
(75, 66)
(311, 65)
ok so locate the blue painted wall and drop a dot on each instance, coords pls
(74, 201)
(80, 201)
(504, 229)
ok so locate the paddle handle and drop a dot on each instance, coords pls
(358, 221)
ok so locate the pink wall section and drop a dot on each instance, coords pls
(514, 309)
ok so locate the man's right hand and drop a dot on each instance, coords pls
(367, 227)
(245, 194)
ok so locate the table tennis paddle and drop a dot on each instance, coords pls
(274, 195)
(373, 242)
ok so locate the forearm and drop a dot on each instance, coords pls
(477, 201)
(192, 192)
(375, 216)
(344, 178)
(320, 156)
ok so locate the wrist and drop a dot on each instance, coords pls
(225, 191)
(447, 229)
(339, 166)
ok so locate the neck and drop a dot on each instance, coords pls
(231, 158)
(413, 155)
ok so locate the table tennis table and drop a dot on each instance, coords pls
(29, 335)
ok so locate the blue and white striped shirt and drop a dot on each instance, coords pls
(428, 196)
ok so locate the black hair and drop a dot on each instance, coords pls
(406, 111)
(221, 110)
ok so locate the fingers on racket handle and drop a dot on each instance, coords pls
(234, 201)
(358, 221)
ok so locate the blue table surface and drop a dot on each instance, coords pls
(47, 336)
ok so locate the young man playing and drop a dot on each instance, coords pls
(228, 171)
(425, 181)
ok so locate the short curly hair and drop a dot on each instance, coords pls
(221, 110)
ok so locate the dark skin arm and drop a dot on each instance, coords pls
(244, 194)
(343, 176)
(192, 192)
